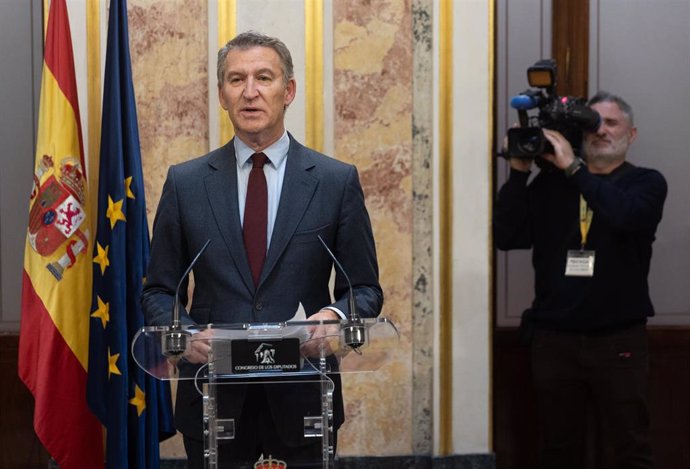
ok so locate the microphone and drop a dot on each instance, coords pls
(175, 340)
(526, 101)
(353, 330)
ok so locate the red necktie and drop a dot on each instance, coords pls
(256, 216)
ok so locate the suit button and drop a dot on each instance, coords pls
(258, 305)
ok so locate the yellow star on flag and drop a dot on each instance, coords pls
(103, 312)
(114, 212)
(112, 364)
(139, 400)
(102, 257)
(128, 188)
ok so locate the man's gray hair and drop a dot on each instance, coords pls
(250, 39)
(606, 97)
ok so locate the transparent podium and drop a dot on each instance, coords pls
(267, 354)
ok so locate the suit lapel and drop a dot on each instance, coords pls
(298, 189)
(221, 189)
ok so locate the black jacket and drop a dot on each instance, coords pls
(544, 215)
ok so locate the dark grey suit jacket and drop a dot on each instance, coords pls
(320, 195)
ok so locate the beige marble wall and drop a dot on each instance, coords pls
(169, 49)
(382, 76)
(372, 60)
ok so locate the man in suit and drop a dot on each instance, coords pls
(305, 194)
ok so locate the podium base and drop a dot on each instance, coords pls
(459, 461)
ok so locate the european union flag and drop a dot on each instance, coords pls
(134, 407)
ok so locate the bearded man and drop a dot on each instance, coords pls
(591, 224)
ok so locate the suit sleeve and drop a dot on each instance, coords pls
(168, 260)
(356, 250)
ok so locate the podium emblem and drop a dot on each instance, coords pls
(269, 463)
(265, 354)
(251, 356)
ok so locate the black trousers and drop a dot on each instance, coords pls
(575, 372)
(256, 435)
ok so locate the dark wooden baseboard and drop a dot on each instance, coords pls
(515, 429)
(19, 445)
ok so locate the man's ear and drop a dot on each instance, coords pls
(221, 98)
(290, 92)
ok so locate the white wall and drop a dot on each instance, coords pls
(641, 50)
(471, 261)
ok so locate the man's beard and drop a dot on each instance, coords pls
(607, 154)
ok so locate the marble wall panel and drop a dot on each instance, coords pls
(373, 129)
(423, 227)
(169, 48)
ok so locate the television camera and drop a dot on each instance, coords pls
(568, 115)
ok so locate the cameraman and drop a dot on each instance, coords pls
(591, 225)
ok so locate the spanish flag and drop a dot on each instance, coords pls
(57, 278)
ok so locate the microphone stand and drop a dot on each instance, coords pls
(353, 330)
(175, 340)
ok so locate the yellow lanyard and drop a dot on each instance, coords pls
(585, 220)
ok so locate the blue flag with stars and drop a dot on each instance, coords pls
(135, 408)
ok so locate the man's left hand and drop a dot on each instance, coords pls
(323, 337)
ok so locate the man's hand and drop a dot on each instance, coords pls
(324, 314)
(521, 164)
(563, 155)
(323, 336)
(199, 346)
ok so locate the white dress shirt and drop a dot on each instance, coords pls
(274, 170)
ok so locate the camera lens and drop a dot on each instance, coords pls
(525, 142)
(530, 144)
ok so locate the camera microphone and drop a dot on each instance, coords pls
(175, 340)
(353, 330)
(527, 100)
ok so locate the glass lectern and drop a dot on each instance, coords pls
(273, 354)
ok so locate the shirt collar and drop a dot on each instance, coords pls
(276, 153)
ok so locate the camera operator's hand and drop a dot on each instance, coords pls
(521, 164)
(518, 164)
(563, 155)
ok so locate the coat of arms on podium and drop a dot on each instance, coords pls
(269, 463)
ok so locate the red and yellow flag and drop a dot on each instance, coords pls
(57, 280)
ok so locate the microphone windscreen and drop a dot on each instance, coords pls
(523, 102)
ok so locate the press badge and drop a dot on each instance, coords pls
(580, 263)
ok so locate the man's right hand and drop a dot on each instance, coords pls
(199, 346)
(519, 164)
